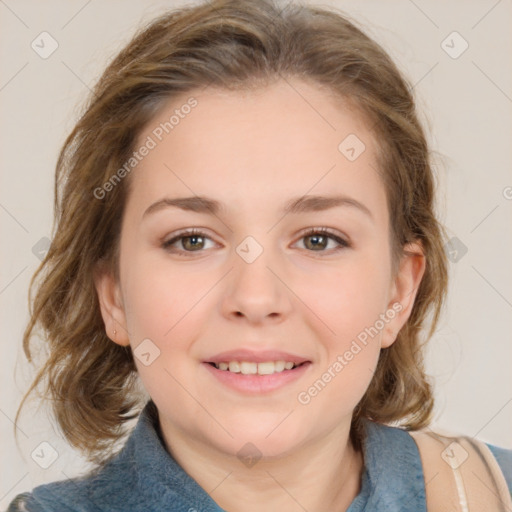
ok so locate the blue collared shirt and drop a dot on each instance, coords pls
(145, 477)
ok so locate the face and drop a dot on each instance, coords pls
(257, 285)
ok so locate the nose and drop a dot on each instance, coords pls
(256, 291)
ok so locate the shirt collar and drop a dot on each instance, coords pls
(165, 481)
(392, 480)
(393, 477)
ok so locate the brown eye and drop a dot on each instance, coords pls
(318, 239)
(188, 241)
(191, 243)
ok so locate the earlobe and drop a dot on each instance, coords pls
(112, 309)
(404, 289)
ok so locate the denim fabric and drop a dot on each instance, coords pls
(504, 458)
(393, 477)
(144, 477)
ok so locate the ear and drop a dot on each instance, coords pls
(404, 288)
(112, 308)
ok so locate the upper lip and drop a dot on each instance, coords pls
(256, 356)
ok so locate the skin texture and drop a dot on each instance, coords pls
(254, 151)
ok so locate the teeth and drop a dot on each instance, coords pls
(279, 366)
(234, 367)
(266, 368)
(251, 368)
(248, 368)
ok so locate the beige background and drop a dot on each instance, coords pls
(467, 102)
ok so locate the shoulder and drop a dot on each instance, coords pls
(399, 462)
(114, 486)
(105, 487)
(484, 469)
(142, 476)
(457, 448)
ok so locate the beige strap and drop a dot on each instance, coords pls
(461, 474)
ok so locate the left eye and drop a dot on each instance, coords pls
(319, 239)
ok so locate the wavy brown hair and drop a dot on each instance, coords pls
(234, 45)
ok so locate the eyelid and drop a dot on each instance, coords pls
(188, 232)
(321, 229)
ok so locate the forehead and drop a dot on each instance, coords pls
(287, 139)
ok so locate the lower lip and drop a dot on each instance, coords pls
(256, 384)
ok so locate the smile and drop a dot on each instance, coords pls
(249, 377)
(252, 368)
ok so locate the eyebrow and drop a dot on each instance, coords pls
(303, 204)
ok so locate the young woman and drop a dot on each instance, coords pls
(245, 222)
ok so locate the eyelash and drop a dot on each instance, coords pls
(342, 244)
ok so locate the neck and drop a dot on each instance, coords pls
(324, 474)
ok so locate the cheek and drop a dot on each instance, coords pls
(350, 302)
(160, 299)
(170, 305)
(351, 308)
(163, 304)
(348, 298)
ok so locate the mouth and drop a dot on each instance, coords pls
(254, 368)
(254, 373)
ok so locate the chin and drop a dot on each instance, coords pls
(266, 439)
